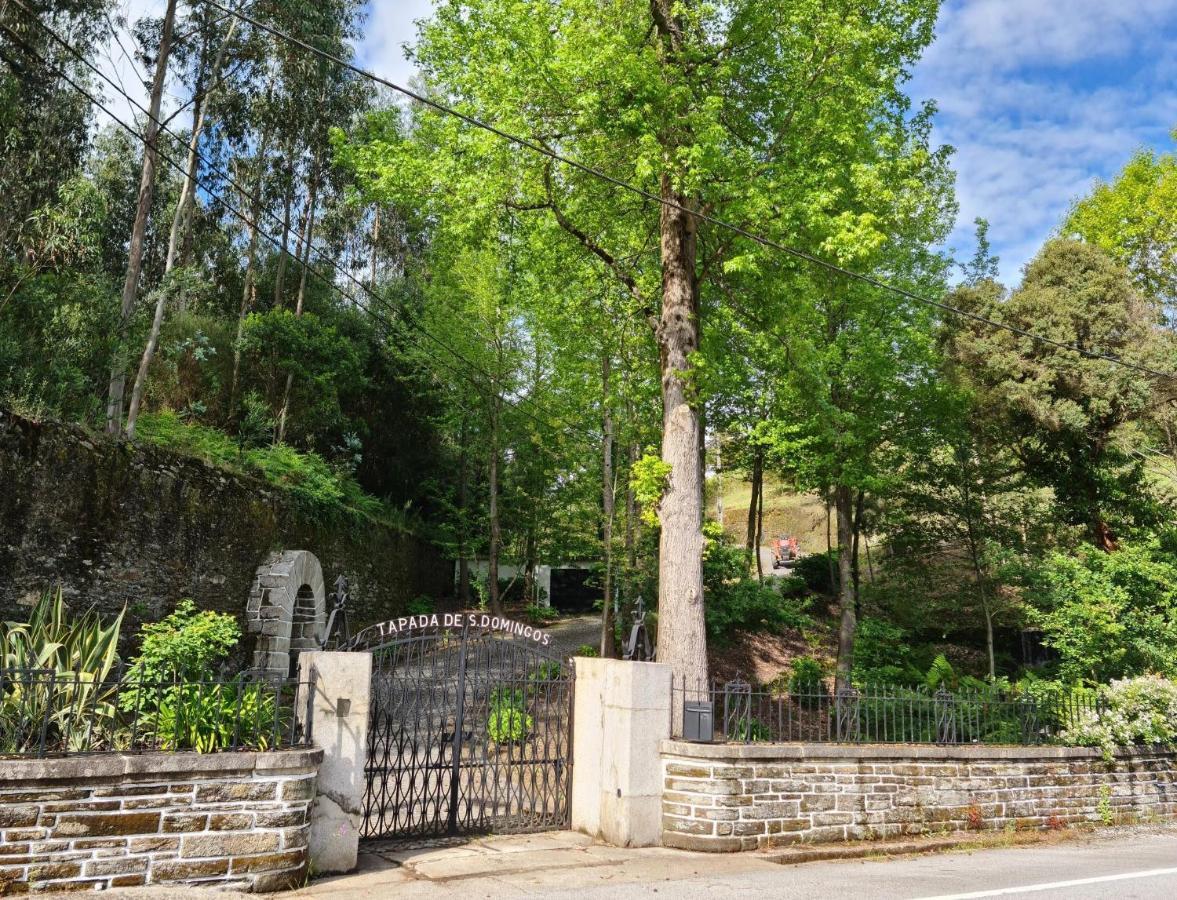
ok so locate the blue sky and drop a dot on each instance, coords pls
(1039, 97)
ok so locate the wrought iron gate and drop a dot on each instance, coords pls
(469, 732)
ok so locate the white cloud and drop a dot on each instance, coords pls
(1040, 100)
(389, 27)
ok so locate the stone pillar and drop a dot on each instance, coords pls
(342, 684)
(621, 717)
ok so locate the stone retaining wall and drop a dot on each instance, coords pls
(726, 797)
(116, 525)
(231, 820)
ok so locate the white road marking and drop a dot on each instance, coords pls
(1054, 885)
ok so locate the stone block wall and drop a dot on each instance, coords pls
(228, 820)
(727, 797)
(120, 524)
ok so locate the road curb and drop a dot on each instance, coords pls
(957, 840)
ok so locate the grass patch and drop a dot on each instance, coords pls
(785, 512)
(309, 479)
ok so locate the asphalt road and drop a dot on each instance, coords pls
(1141, 866)
(1135, 863)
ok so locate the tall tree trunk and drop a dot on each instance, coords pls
(305, 240)
(496, 606)
(182, 220)
(750, 548)
(284, 253)
(854, 567)
(608, 638)
(118, 370)
(463, 501)
(830, 551)
(375, 248)
(682, 636)
(844, 510)
(247, 292)
(529, 563)
(760, 527)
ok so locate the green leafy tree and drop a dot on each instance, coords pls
(739, 109)
(1133, 218)
(1065, 410)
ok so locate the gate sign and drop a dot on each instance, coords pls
(403, 626)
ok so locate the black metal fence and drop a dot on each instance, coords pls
(740, 712)
(48, 713)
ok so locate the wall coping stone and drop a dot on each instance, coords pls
(118, 765)
(965, 752)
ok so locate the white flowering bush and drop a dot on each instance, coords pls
(1141, 710)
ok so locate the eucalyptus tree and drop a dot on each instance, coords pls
(44, 122)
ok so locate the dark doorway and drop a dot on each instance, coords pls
(574, 590)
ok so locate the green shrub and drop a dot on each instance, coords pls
(207, 718)
(1109, 615)
(735, 601)
(541, 615)
(508, 721)
(508, 725)
(587, 650)
(187, 644)
(421, 606)
(815, 570)
(749, 728)
(547, 671)
(74, 704)
(882, 655)
(807, 678)
(310, 480)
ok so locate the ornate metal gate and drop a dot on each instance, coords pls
(469, 731)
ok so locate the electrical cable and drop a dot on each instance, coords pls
(276, 243)
(701, 216)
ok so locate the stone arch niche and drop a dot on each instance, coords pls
(286, 610)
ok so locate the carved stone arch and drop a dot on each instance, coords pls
(286, 610)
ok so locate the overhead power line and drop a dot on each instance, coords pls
(324, 256)
(649, 196)
(274, 242)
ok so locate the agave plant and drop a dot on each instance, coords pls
(55, 689)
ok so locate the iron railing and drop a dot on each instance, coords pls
(50, 713)
(745, 713)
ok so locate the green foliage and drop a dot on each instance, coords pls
(734, 600)
(208, 718)
(1060, 409)
(309, 480)
(815, 570)
(1108, 615)
(82, 652)
(807, 676)
(648, 478)
(508, 721)
(1134, 218)
(185, 645)
(749, 728)
(548, 670)
(541, 615)
(421, 606)
(882, 654)
(587, 650)
(1140, 710)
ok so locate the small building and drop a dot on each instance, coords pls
(570, 587)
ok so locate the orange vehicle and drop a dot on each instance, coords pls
(785, 551)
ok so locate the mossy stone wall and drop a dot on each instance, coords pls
(118, 523)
